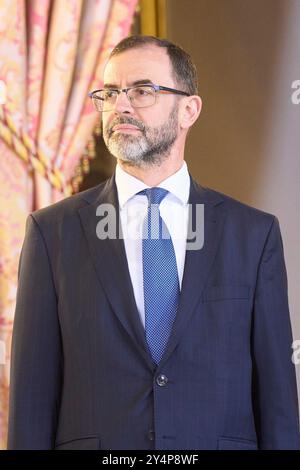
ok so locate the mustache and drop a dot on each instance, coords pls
(124, 120)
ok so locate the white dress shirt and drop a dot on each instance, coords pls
(133, 210)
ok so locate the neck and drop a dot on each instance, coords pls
(152, 175)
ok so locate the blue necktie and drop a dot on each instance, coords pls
(160, 276)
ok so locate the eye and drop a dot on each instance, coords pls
(108, 94)
(143, 91)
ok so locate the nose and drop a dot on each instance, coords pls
(122, 104)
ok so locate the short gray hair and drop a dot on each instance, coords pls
(184, 70)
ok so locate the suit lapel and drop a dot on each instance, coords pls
(197, 262)
(109, 259)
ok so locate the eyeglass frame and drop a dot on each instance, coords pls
(156, 88)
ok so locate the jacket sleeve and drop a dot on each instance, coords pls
(274, 380)
(36, 359)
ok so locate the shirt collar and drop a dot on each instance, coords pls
(177, 184)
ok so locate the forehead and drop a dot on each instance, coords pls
(147, 62)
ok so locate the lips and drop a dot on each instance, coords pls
(125, 127)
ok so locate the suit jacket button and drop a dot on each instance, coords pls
(151, 435)
(162, 380)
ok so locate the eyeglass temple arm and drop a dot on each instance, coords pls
(172, 90)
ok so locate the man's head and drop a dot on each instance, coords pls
(148, 135)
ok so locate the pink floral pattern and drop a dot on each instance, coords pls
(48, 67)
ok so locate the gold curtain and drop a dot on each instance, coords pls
(153, 18)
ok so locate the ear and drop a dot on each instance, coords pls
(189, 111)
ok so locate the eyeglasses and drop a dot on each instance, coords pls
(140, 96)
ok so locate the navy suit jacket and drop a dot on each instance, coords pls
(82, 376)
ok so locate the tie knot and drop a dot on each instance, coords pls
(154, 195)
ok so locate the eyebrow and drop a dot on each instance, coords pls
(145, 81)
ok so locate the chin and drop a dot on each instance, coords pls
(131, 161)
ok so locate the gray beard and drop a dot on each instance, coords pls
(150, 148)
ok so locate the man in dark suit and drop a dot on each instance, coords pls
(152, 342)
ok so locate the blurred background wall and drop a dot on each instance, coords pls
(246, 142)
